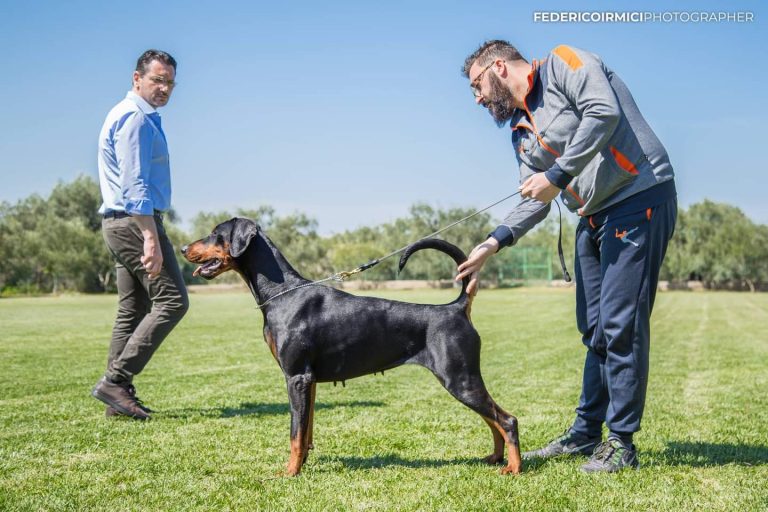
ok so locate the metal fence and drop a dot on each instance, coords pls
(525, 264)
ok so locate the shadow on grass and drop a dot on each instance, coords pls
(258, 409)
(712, 454)
(392, 460)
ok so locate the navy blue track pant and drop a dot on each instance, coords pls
(617, 271)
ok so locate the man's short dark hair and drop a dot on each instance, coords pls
(489, 51)
(148, 56)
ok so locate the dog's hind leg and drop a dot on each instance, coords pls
(461, 378)
(310, 429)
(506, 426)
(300, 394)
(470, 390)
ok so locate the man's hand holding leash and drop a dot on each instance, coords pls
(540, 188)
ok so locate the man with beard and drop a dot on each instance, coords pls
(135, 180)
(578, 133)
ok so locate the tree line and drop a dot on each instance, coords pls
(55, 244)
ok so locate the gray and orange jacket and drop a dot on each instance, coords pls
(582, 128)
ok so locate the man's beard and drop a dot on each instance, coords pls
(501, 104)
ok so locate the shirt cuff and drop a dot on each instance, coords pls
(558, 177)
(503, 234)
(139, 207)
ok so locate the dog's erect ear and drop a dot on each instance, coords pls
(242, 234)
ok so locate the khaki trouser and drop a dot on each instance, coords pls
(148, 309)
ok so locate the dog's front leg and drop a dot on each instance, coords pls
(300, 396)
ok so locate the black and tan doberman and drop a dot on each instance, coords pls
(321, 334)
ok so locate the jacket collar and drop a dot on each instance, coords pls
(533, 79)
(533, 76)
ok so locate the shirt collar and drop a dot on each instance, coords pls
(141, 103)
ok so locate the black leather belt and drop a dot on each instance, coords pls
(115, 215)
(122, 215)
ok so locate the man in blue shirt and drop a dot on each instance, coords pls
(135, 180)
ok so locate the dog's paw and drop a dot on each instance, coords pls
(511, 469)
(292, 470)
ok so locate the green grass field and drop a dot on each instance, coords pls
(392, 442)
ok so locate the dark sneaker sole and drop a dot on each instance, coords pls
(612, 470)
(122, 410)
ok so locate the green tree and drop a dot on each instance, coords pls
(719, 243)
(55, 244)
(19, 244)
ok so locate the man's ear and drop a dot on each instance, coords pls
(242, 234)
(502, 69)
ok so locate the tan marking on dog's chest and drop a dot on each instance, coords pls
(271, 343)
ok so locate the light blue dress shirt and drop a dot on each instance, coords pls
(134, 169)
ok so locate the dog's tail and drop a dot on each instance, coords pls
(441, 245)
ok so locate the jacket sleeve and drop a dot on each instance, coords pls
(583, 79)
(133, 149)
(526, 214)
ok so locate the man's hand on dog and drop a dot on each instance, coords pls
(475, 263)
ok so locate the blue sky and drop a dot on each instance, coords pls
(352, 111)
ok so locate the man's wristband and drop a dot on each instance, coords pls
(558, 177)
(503, 235)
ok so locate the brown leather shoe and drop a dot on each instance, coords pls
(118, 397)
(111, 412)
(132, 391)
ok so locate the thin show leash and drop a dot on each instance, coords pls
(341, 276)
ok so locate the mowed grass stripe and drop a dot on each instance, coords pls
(392, 442)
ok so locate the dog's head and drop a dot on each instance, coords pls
(219, 251)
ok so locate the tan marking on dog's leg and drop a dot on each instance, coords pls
(297, 456)
(514, 460)
(498, 444)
